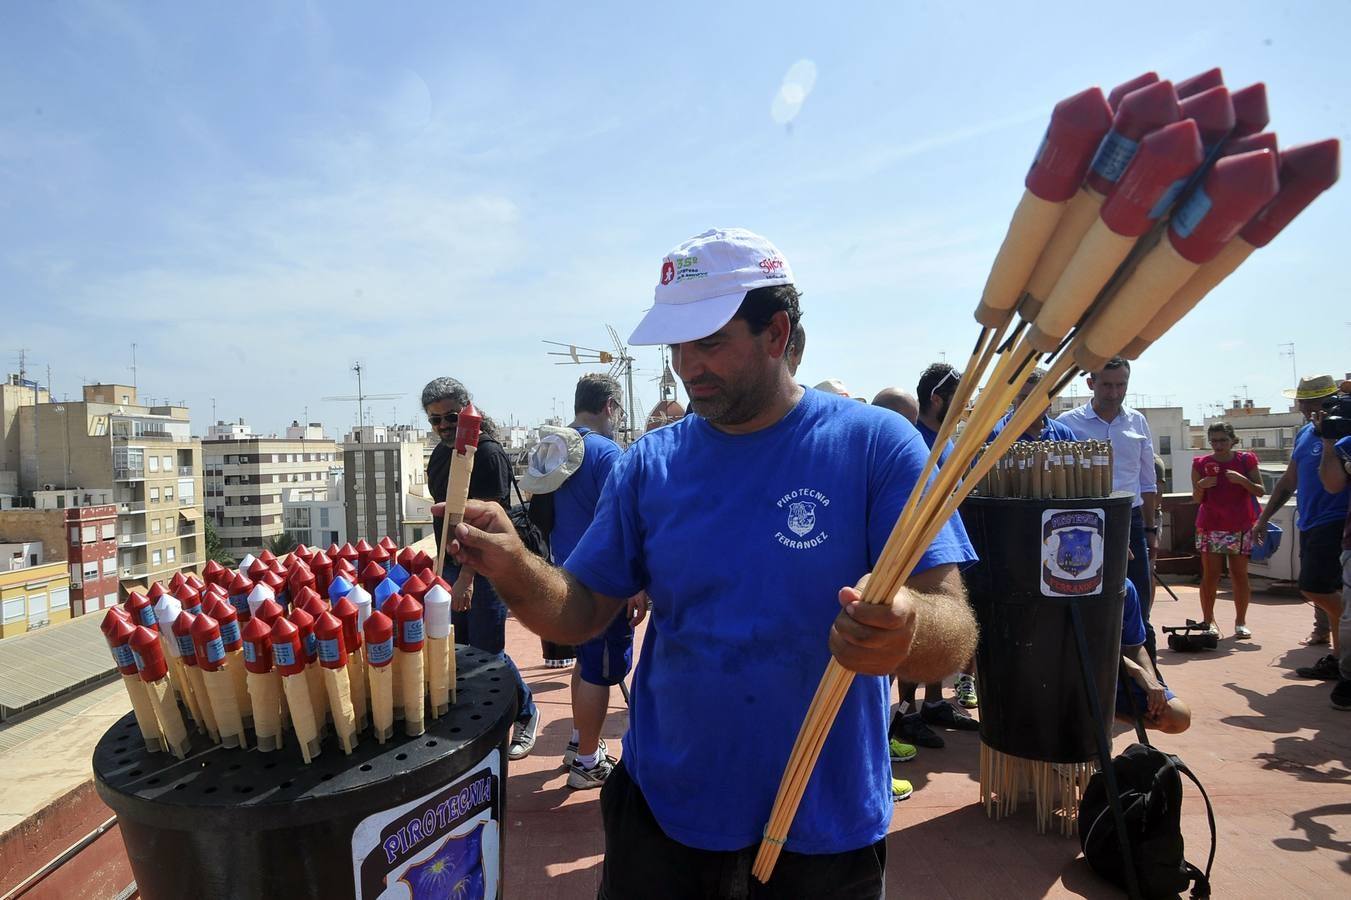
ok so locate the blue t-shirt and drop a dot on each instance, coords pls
(575, 500)
(930, 436)
(1313, 505)
(1132, 623)
(743, 543)
(1051, 431)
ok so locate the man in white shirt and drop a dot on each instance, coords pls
(1107, 418)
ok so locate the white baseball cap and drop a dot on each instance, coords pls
(703, 282)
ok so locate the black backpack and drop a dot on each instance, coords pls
(1151, 800)
(533, 520)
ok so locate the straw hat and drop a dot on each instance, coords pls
(1312, 387)
(558, 454)
(833, 386)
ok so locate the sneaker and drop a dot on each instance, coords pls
(911, 730)
(966, 691)
(1341, 694)
(901, 790)
(1316, 638)
(523, 737)
(901, 751)
(1325, 669)
(571, 753)
(1242, 631)
(580, 779)
(948, 716)
(558, 663)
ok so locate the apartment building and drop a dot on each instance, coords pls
(249, 477)
(33, 593)
(315, 516)
(16, 392)
(145, 452)
(80, 529)
(384, 466)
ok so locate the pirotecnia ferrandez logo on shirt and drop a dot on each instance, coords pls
(804, 509)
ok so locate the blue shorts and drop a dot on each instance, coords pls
(607, 657)
(1123, 706)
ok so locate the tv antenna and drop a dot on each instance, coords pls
(1288, 350)
(621, 369)
(361, 397)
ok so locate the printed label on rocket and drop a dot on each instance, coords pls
(412, 632)
(328, 651)
(185, 647)
(215, 651)
(123, 655)
(284, 655)
(229, 632)
(1114, 155)
(1192, 212)
(250, 652)
(378, 654)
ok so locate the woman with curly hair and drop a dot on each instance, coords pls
(1225, 484)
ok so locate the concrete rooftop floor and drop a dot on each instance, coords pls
(1274, 755)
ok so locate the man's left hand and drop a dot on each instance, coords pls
(873, 638)
(1152, 542)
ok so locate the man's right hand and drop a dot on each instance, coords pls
(486, 539)
(1259, 532)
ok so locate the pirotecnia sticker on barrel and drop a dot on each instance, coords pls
(1072, 551)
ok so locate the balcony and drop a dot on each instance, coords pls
(131, 539)
(185, 471)
(131, 506)
(129, 473)
(186, 501)
(186, 528)
(140, 570)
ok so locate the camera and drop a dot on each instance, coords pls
(1335, 422)
(1191, 637)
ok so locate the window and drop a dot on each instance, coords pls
(323, 517)
(74, 534)
(75, 574)
(156, 558)
(110, 566)
(89, 534)
(168, 463)
(110, 599)
(154, 526)
(170, 554)
(154, 495)
(152, 463)
(1165, 444)
(61, 598)
(168, 493)
(14, 609)
(109, 531)
(171, 525)
(37, 608)
(1259, 442)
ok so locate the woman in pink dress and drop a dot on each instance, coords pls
(1225, 484)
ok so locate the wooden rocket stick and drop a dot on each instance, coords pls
(221, 689)
(154, 672)
(1080, 214)
(356, 680)
(436, 612)
(410, 635)
(468, 424)
(265, 694)
(288, 656)
(144, 709)
(333, 667)
(378, 631)
(1033, 223)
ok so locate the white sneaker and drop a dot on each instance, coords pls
(523, 737)
(580, 779)
(571, 753)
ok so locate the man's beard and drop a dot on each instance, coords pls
(731, 406)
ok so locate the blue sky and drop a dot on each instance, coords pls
(260, 195)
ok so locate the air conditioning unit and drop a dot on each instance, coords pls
(49, 487)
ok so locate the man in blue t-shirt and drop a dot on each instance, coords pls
(604, 660)
(1044, 428)
(1141, 691)
(1319, 516)
(747, 522)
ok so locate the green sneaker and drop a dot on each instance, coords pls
(900, 790)
(901, 751)
(966, 691)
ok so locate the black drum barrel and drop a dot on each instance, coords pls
(1039, 558)
(228, 823)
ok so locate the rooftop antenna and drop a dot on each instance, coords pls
(1289, 350)
(361, 397)
(621, 367)
(133, 366)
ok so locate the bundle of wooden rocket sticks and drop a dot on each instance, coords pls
(1051, 470)
(317, 641)
(1056, 788)
(1137, 204)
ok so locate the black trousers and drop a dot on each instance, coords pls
(642, 863)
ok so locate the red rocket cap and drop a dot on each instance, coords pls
(333, 550)
(274, 581)
(277, 567)
(305, 622)
(191, 599)
(405, 558)
(219, 591)
(300, 577)
(302, 552)
(410, 633)
(269, 611)
(197, 583)
(212, 570)
(328, 632)
(145, 644)
(362, 547)
(141, 609)
(241, 584)
(111, 617)
(258, 568)
(258, 646)
(441, 581)
(347, 552)
(156, 591)
(321, 560)
(422, 562)
(415, 587)
(1198, 84)
(187, 651)
(346, 570)
(177, 581)
(379, 633)
(347, 613)
(1236, 188)
(467, 428)
(391, 605)
(1140, 112)
(1306, 171)
(207, 643)
(388, 543)
(267, 556)
(1121, 90)
(371, 575)
(118, 637)
(1263, 140)
(1213, 112)
(379, 555)
(312, 602)
(228, 619)
(1077, 127)
(1250, 109)
(288, 648)
(1153, 179)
